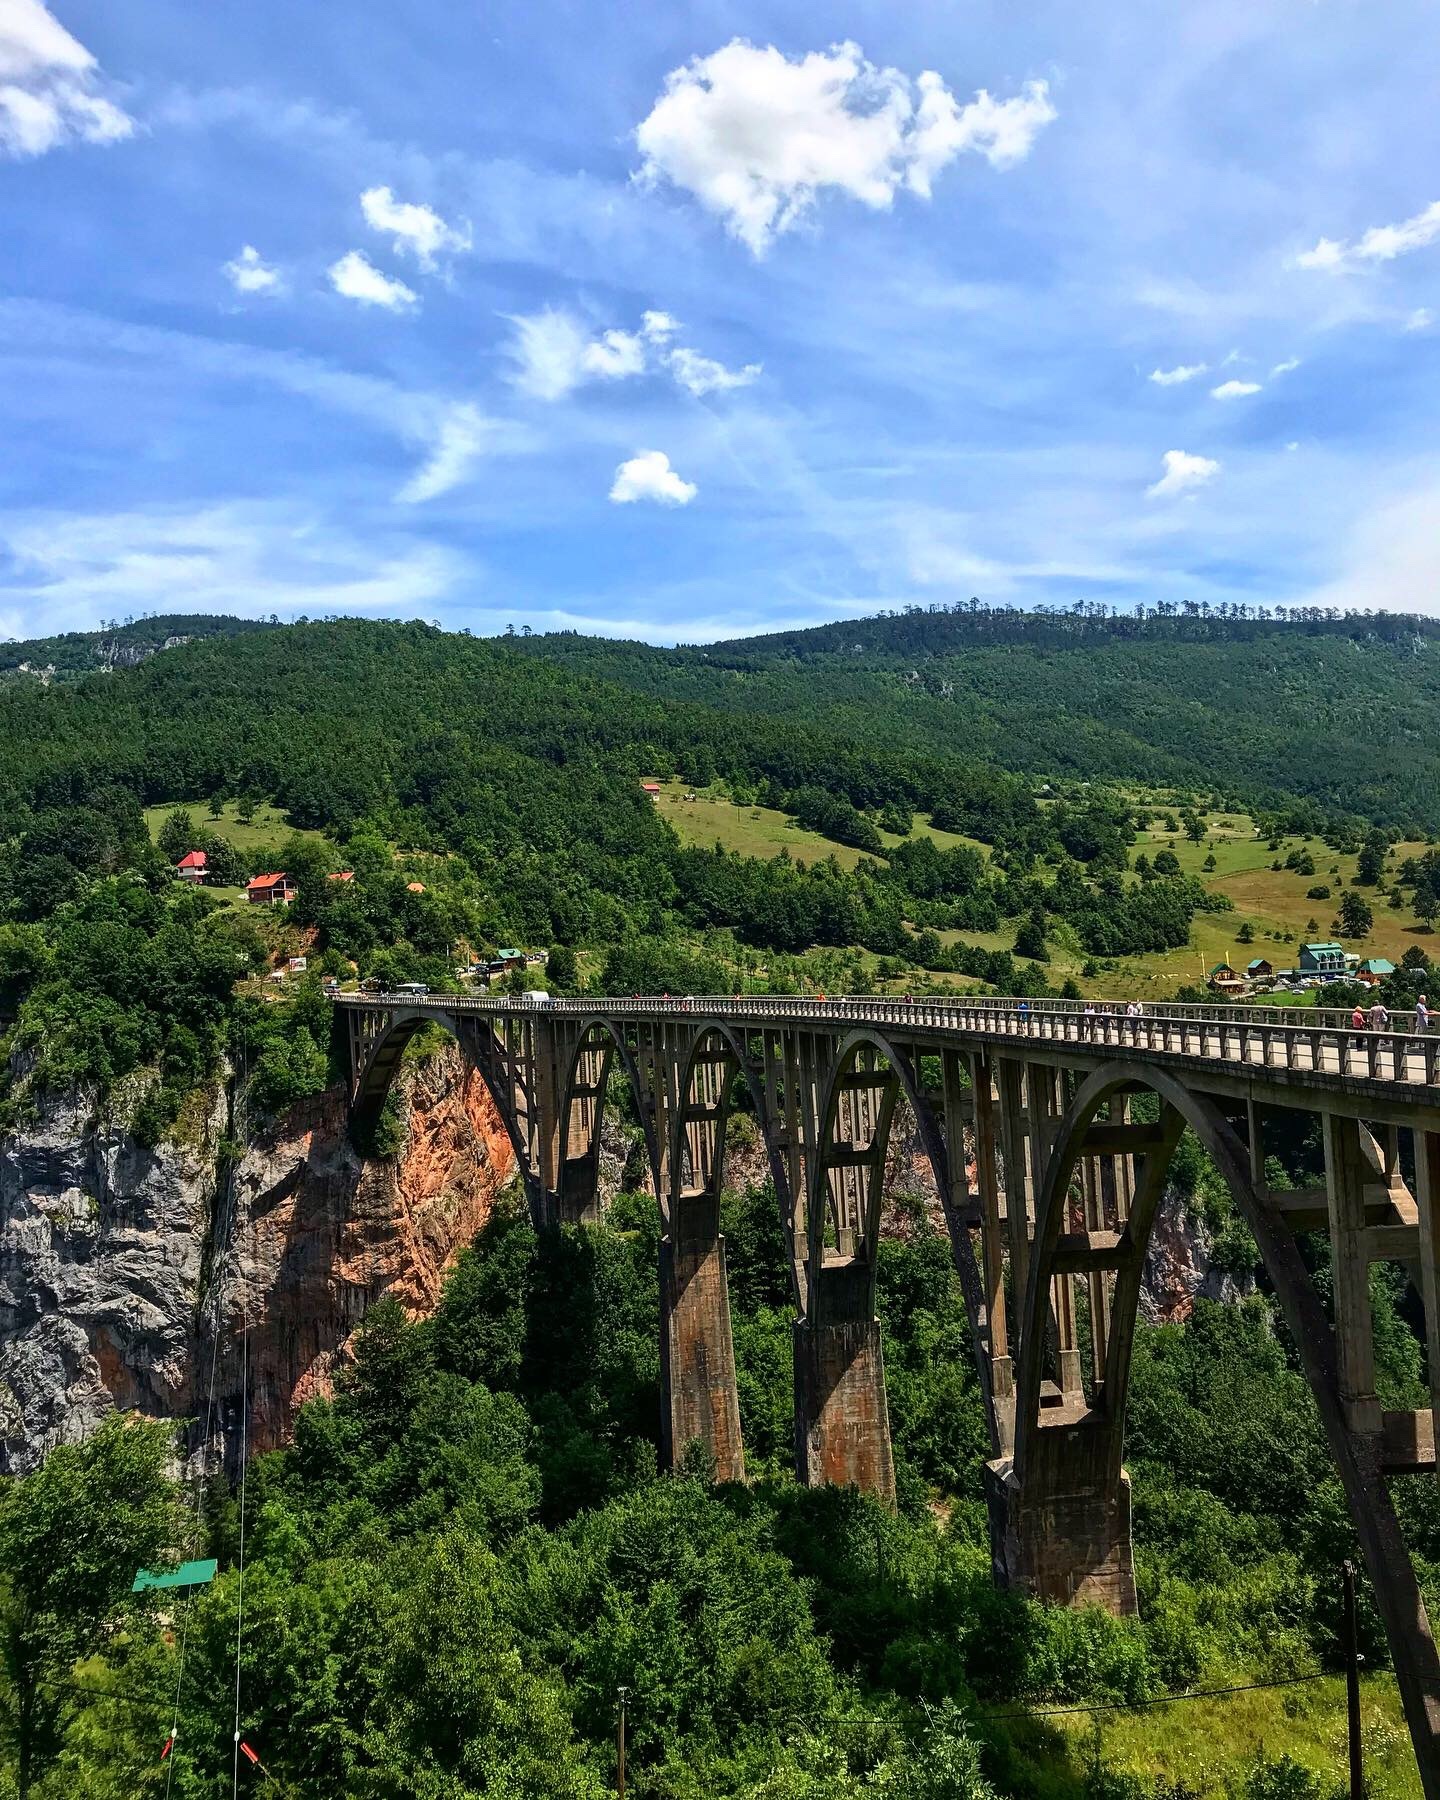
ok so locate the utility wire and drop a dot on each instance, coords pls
(1244, 1687)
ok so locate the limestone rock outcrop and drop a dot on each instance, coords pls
(131, 1278)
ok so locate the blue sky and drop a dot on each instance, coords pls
(679, 322)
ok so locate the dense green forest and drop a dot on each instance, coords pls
(508, 771)
(468, 1552)
(1334, 710)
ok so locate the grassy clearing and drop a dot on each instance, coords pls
(1273, 901)
(1210, 1745)
(761, 831)
(267, 827)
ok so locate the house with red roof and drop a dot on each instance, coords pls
(193, 866)
(270, 890)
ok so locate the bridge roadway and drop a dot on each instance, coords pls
(1049, 1128)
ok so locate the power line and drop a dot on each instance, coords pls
(1244, 1687)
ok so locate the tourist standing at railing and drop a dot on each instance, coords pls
(1422, 1017)
(1358, 1019)
(1379, 1016)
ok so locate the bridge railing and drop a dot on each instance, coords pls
(1299, 1040)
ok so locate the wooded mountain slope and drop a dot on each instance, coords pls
(1343, 712)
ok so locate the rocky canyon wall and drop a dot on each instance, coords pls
(167, 1282)
(134, 1278)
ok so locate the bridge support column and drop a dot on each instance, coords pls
(842, 1418)
(1064, 1533)
(699, 1398)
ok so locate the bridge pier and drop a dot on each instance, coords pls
(700, 1402)
(842, 1417)
(1064, 1534)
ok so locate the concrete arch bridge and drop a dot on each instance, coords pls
(1050, 1129)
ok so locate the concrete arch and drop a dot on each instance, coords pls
(740, 1062)
(944, 1159)
(645, 1100)
(1356, 1453)
(383, 1051)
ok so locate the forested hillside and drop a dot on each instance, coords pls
(116, 646)
(1338, 710)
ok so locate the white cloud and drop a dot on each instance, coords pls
(47, 85)
(1183, 473)
(553, 355)
(1234, 390)
(1284, 368)
(72, 568)
(1002, 131)
(756, 136)
(412, 228)
(703, 375)
(614, 355)
(249, 273)
(1381, 243)
(1173, 377)
(460, 439)
(1420, 320)
(649, 476)
(548, 352)
(357, 278)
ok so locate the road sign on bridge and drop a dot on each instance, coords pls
(1050, 1128)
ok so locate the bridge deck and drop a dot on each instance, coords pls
(1294, 1056)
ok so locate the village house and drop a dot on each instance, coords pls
(193, 866)
(1374, 969)
(1261, 969)
(342, 875)
(652, 788)
(1323, 959)
(270, 890)
(1225, 980)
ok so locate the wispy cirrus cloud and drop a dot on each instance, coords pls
(1380, 244)
(251, 557)
(461, 438)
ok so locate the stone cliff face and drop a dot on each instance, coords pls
(1178, 1267)
(127, 1276)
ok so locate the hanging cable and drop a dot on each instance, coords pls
(244, 1465)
